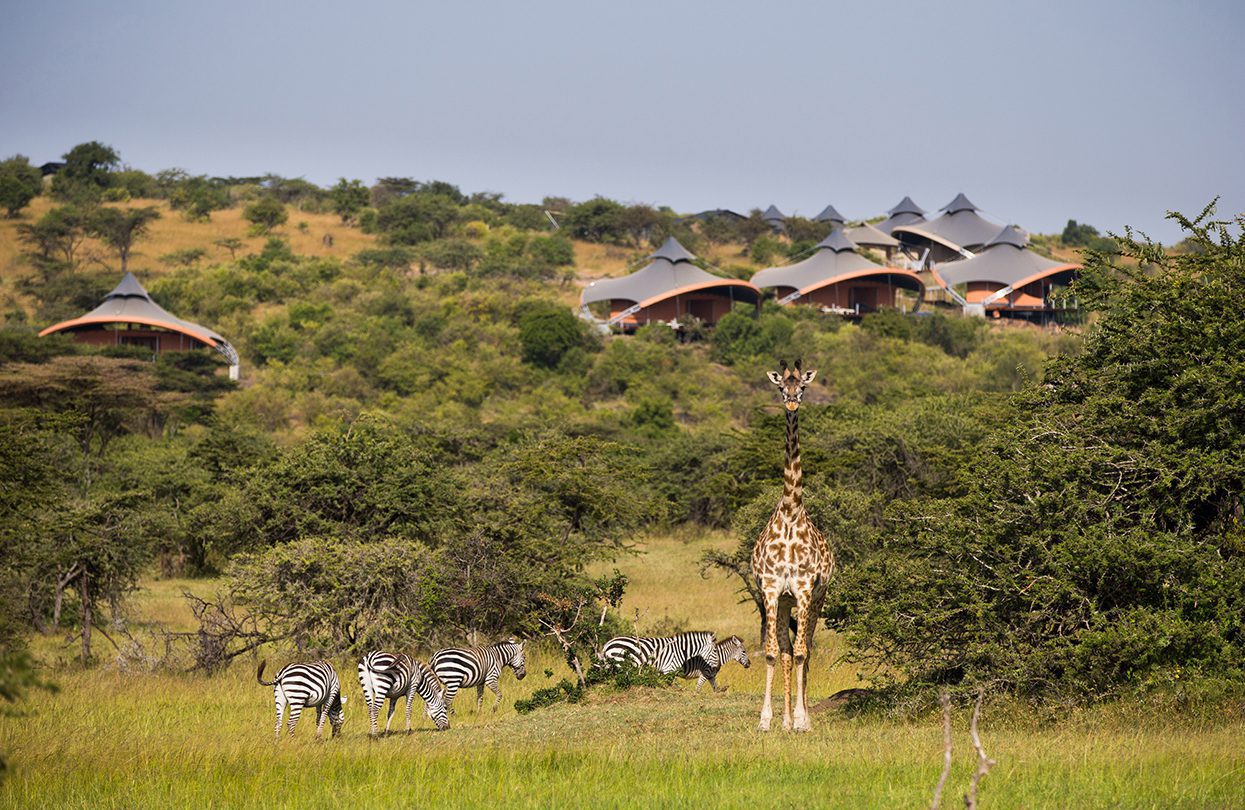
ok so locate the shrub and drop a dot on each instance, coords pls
(265, 214)
(546, 332)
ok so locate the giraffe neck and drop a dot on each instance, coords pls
(793, 473)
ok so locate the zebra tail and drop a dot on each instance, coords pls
(259, 675)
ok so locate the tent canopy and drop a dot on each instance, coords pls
(670, 272)
(1005, 260)
(905, 213)
(834, 260)
(129, 302)
(772, 214)
(829, 214)
(960, 228)
(866, 235)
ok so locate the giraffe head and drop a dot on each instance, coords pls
(791, 384)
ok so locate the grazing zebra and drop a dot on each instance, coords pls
(478, 667)
(732, 649)
(666, 654)
(385, 675)
(301, 685)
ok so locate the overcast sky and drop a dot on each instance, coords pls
(1105, 112)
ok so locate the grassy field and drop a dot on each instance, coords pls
(115, 739)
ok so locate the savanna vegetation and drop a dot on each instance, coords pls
(427, 447)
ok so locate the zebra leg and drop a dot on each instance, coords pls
(280, 714)
(393, 704)
(493, 686)
(322, 714)
(447, 694)
(295, 712)
(410, 696)
(373, 713)
(700, 681)
(479, 697)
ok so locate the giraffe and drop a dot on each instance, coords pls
(792, 565)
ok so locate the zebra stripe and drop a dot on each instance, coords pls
(458, 667)
(385, 675)
(732, 649)
(301, 685)
(666, 654)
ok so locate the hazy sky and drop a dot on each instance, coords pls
(1106, 112)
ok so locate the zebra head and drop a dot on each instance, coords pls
(337, 714)
(429, 689)
(517, 659)
(733, 650)
(791, 384)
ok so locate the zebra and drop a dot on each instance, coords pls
(385, 675)
(478, 667)
(732, 649)
(301, 685)
(666, 654)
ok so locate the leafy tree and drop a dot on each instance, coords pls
(740, 334)
(96, 548)
(265, 214)
(1097, 545)
(120, 228)
(129, 184)
(597, 220)
(450, 254)
(19, 184)
(349, 198)
(57, 235)
(1085, 235)
(232, 244)
(86, 173)
(186, 257)
(419, 216)
(547, 332)
(197, 197)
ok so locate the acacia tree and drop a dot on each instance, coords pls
(86, 172)
(349, 198)
(265, 214)
(95, 547)
(19, 184)
(120, 228)
(57, 235)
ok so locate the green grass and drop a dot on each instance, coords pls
(125, 740)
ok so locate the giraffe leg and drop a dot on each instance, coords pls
(802, 636)
(786, 691)
(771, 655)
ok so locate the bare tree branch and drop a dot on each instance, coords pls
(984, 763)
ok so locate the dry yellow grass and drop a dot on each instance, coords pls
(172, 233)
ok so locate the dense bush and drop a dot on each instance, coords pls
(1097, 544)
